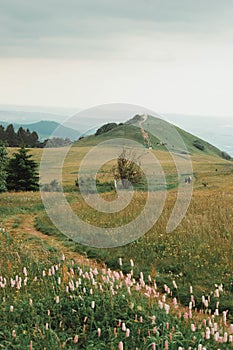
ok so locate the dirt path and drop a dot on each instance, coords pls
(145, 134)
(25, 229)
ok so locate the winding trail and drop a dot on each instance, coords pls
(145, 134)
(26, 228)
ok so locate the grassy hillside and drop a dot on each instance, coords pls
(121, 131)
(169, 295)
(132, 130)
(49, 302)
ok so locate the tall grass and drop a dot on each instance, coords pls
(62, 305)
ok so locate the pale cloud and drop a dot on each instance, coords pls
(168, 55)
(81, 28)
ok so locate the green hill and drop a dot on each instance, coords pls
(157, 134)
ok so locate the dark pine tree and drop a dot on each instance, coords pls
(22, 136)
(22, 172)
(11, 136)
(34, 139)
(2, 134)
(3, 164)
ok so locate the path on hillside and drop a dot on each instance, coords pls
(145, 134)
(26, 228)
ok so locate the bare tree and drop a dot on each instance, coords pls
(128, 168)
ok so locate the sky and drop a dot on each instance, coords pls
(171, 56)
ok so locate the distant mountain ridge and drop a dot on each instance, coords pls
(217, 131)
(46, 128)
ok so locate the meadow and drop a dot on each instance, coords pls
(162, 291)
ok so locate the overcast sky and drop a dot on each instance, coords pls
(167, 55)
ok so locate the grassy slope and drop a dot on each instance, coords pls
(198, 253)
(133, 132)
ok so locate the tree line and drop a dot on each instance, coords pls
(18, 173)
(24, 137)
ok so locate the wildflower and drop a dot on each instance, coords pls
(75, 339)
(121, 346)
(207, 333)
(153, 345)
(224, 315)
(93, 304)
(11, 308)
(57, 299)
(127, 332)
(30, 347)
(99, 332)
(30, 302)
(120, 263)
(131, 263)
(14, 333)
(225, 337)
(167, 308)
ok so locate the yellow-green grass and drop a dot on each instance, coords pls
(198, 252)
(208, 169)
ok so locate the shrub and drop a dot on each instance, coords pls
(198, 145)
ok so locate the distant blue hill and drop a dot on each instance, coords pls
(46, 129)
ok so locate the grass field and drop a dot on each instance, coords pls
(198, 254)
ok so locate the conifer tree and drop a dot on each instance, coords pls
(22, 172)
(3, 164)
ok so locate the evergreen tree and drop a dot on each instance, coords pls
(3, 164)
(2, 134)
(11, 136)
(22, 172)
(22, 137)
(34, 139)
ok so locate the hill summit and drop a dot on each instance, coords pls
(155, 133)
